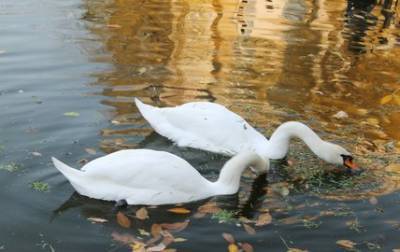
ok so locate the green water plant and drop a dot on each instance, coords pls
(40, 186)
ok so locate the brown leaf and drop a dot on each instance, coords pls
(209, 208)
(291, 220)
(169, 250)
(249, 229)
(386, 99)
(347, 244)
(233, 248)
(247, 247)
(228, 237)
(264, 219)
(123, 221)
(155, 230)
(396, 99)
(199, 215)
(176, 227)
(90, 151)
(142, 214)
(179, 210)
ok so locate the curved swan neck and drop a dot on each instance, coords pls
(279, 142)
(229, 178)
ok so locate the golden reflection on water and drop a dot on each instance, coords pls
(269, 61)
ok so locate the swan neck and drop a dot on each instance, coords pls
(280, 139)
(229, 178)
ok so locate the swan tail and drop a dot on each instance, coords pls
(73, 175)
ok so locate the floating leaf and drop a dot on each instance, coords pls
(142, 214)
(296, 250)
(264, 219)
(373, 200)
(124, 238)
(386, 99)
(179, 210)
(155, 230)
(347, 244)
(123, 221)
(233, 248)
(179, 239)
(96, 220)
(228, 237)
(247, 247)
(143, 232)
(36, 154)
(209, 208)
(138, 247)
(249, 229)
(90, 151)
(40, 186)
(176, 227)
(71, 114)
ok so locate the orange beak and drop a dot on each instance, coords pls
(350, 164)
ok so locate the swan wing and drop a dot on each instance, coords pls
(203, 125)
(144, 177)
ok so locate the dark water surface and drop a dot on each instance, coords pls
(270, 61)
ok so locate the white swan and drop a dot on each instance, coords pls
(151, 177)
(212, 127)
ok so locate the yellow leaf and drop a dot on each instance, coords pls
(137, 247)
(179, 210)
(123, 221)
(264, 219)
(142, 214)
(347, 244)
(233, 248)
(386, 99)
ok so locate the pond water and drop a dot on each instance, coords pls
(69, 71)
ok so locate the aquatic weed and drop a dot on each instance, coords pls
(40, 186)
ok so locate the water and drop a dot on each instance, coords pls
(269, 61)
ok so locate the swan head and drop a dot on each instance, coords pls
(335, 154)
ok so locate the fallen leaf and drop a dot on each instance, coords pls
(143, 232)
(156, 230)
(36, 154)
(373, 200)
(71, 114)
(176, 227)
(179, 239)
(264, 219)
(233, 248)
(247, 247)
(124, 238)
(209, 208)
(138, 247)
(340, 115)
(169, 250)
(386, 99)
(347, 244)
(199, 215)
(179, 210)
(123, 221)
(228, 237)
(249, 229)
(97, 220)
(291, 220)
(296, 250)
(142, 70)
(142, 214)
(90, 151)
(115, 26)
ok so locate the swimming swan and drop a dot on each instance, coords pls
(149, 177)
(212, 127)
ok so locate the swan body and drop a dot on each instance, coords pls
(151, 177)
(212, 127)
